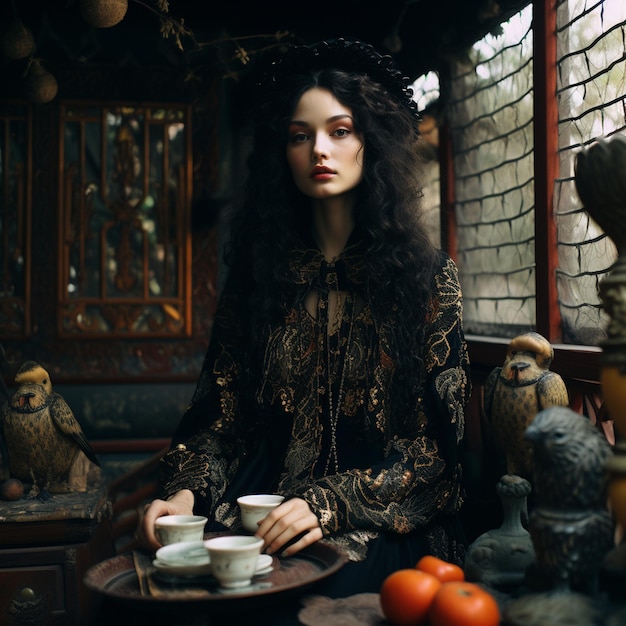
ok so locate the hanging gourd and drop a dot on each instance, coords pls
(103, 13)
(40, 85)
(17, 41)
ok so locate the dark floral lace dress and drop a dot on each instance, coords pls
(386, 488)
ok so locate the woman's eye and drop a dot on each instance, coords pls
(342, 132)
(298, 138)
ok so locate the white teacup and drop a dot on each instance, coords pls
(255, 507)
(176, 528)
(234, 559)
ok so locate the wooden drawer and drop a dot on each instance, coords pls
(45, 551)
(32, 595)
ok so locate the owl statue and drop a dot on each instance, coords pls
(515, 393)
(45, 443)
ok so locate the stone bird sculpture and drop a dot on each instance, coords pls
(515, 393)
(43, 438)
(570, 524)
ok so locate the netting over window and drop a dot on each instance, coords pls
(491, 117)
(591, 75)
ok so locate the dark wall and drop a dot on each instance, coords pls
(127, 411)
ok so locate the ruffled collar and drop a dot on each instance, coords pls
(346, 272)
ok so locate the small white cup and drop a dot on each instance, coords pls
(255, 507)
(176, 528)
(234, 559)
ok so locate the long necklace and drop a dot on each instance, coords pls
(338, 352)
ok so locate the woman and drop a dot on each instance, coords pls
(337, 372)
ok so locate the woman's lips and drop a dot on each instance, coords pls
(322, 173)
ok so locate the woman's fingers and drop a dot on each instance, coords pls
(145, 528)
(179, 504)
(289, 527)
(305, 540)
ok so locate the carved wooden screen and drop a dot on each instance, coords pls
(15, 223)
(125, 246)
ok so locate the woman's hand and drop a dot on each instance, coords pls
(292, 520)
(181, 503)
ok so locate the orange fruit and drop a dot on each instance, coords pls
(406, 596)
(443, 570)
(461, 603)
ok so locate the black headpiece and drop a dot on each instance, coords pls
(349, 55)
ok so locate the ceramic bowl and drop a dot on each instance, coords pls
(255, 507)
(176, 528)
(234, 559)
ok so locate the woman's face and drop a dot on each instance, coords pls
(324, 151)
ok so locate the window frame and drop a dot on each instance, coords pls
(575, 362)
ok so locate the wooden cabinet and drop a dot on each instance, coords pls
(45, 550)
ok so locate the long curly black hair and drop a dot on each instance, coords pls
(274, 216)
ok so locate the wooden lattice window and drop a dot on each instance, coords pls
(15, 222)
(124, 208)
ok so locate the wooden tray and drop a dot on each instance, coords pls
(132, 579)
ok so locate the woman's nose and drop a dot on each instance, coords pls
(320, 150)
